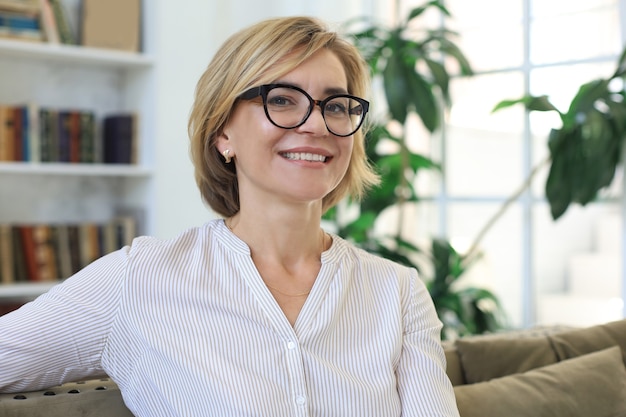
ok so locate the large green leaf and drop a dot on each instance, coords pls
(417, 11)
(584, 101)
(424, 102)
(621, 66)
(532, 103)
(397, 88)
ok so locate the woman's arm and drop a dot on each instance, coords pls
(423, 385)
(59, 337)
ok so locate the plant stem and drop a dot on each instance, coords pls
(509, 201)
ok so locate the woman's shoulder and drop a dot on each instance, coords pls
(361, 258)
(188, 240)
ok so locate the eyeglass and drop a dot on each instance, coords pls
(288, 107)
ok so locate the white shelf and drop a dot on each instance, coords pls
(74, 54)
(96, 170)
(25, 290)
(72, 76)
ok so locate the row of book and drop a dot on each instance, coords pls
(111, 24)
(35, 20)
(49, 252)
(29, 133)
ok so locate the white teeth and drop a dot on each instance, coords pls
(304, 156)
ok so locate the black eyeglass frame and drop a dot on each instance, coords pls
(264, 89)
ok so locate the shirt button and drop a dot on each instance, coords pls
(300, 400)
(291, 345)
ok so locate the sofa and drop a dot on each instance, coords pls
(549, 372)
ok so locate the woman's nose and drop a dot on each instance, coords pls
(315, 123)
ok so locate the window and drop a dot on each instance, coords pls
(566, 271)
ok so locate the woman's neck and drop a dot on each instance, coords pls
(287, 237)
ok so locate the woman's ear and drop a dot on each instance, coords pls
(223, 145)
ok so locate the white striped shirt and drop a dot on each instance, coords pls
(186, 327)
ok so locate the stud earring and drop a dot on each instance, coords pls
(227, 157)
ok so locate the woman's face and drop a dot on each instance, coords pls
(294, 166)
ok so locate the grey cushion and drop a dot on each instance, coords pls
(591, 339)
(487, 358)
(592, 385)
(94, 398)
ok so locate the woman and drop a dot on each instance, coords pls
(261, 313)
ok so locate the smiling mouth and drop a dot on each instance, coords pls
(304, 156)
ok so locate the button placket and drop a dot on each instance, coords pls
(294, 358)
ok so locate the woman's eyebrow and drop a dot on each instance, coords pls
(328, 91)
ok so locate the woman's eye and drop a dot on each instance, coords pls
(279, 101)
(335, 108)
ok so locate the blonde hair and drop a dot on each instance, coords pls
(258, 55)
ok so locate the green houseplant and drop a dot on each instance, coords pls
(413, 65)
(586, 150)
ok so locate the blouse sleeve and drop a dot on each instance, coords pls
(423, 385)
(59, 337)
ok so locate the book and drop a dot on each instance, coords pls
(74, 243)
(111, 24)
(30, 132)
(63, 135)
(45, 252)
(20, 6)
(29, 251)
(20, 272)
(66, 33)
(7, 133)
(87, 130)
(45, 135)
(89, 244)
(19, 143)
(48, 22)
(119, 139)
(7, 273)
(20, 20)
(126, 227)
(61, 236)
(74, 135)
(53, 135)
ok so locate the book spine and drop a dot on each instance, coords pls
(32, 134)
(48, 22)
(7, 273)
(7, 136)
(30, 253)
(18, 134)
(74, 136)
(87, 131)
(63, 136)
(63, 25)
(45, 134)
(49, 252)
(45, 252)
(19, 266)
(74, 244)
(119, 134)
(62, 250)
(20, 25)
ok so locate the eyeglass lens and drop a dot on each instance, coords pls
(289, 108)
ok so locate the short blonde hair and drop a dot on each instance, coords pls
(261, 54)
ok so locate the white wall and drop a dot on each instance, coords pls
(184, 35)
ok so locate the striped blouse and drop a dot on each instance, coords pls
(186, 327)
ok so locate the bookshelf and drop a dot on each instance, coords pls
(92, 79)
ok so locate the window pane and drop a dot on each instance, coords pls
(500, 268)
(574, 36)
(577, 265)
(489, 43)
(484, 150)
